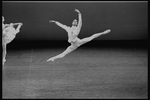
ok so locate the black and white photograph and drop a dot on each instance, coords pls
(74, 49)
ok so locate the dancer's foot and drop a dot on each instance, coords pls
(51, 59)
(107, 31)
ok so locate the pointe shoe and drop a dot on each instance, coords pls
(51, 59)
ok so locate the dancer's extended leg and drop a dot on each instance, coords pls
(4, 54)
(88, 39)
(67, 51)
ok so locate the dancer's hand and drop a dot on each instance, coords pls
(77, 10)
(51, 21)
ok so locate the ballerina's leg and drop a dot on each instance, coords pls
(63, 54)
(88, 39)
(4, 53)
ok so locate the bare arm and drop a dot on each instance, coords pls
(79, 19)
(60, 25)
(6, 25)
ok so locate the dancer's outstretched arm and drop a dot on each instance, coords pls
(79, 19)
(59, 24)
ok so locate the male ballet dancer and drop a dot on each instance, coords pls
(73, 33)
(8, 34)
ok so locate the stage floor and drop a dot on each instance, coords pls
(84, 73)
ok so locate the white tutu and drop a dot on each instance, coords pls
(9, 34)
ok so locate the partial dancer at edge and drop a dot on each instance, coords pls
(73, 33)
(8, 34)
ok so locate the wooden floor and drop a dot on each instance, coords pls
(84, 73)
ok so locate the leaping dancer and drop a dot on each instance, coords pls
(8, 34)
(73, 33)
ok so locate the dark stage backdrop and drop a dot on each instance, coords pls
(127, 20)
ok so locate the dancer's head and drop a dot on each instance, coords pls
(74, 23)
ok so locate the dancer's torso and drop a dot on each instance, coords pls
(73, 35)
